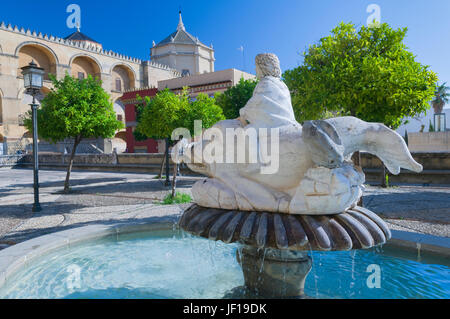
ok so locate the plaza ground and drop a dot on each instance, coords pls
(115, 197)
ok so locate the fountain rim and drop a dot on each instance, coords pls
(14, 258)
(18, 256)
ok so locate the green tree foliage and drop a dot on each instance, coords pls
(368, 73)
(75, 109)
(203, 108)
(166, 111)
(161, 114)
(235, 98)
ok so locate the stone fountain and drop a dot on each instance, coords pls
(302, 196)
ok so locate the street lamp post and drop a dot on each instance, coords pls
(33, 77)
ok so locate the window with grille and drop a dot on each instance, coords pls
(80, 75)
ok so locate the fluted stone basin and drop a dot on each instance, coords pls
(357, 228)
(274, 257)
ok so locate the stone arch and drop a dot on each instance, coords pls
(119, 108)
(125, 75)
(119, 142)
(86, 65)
(41, 54)
(121, 135)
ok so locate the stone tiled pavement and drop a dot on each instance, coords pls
(412, 208)
(113, 197)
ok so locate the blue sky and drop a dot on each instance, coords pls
(284, 27)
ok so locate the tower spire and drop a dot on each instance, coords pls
(180, 23)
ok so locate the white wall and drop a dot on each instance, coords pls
(415, 124)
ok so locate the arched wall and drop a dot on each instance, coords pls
(85, 64)
(119, 108)
(42, 55)
(122, 135)
(38, 44)
(125, 74)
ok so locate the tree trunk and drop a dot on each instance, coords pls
(69, 168)
(174, 181)
(162, 167)
(383, 176)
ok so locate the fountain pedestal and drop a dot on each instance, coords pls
(274, 273)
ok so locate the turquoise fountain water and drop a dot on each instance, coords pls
(171, 264)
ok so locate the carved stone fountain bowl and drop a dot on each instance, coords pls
(356, 228)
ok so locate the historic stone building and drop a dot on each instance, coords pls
(178, 60)
(77, 55)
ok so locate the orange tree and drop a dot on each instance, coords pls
(159, 116)
(75, 109)
(368, 73)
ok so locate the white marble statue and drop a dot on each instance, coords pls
(314, 174)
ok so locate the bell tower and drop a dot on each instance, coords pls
(184, 52)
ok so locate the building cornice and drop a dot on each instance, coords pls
(205, 87)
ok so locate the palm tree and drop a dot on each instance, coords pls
(441, 96)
